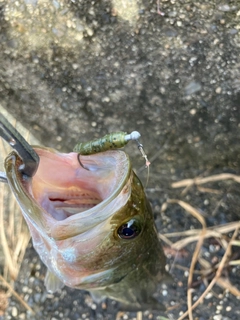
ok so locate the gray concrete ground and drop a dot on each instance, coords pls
(74, 70)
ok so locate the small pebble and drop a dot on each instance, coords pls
(192, 87)
(193, 111)
(75, 66)
(224, 7)
(209, 295)
(164, 293)
(14, 311)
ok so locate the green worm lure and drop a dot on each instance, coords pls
(110, 141)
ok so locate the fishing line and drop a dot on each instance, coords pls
(147, 164)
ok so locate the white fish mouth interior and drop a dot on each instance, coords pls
(63, 188)
(75, 200)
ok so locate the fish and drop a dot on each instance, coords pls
(91, 225)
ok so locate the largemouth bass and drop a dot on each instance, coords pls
(93, 228)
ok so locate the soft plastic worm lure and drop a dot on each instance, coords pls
(110, 141)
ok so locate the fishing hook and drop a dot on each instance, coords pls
(80, 162)
(29, 157)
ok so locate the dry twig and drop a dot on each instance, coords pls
(16, 295)
(14, 235)
(200, 218)
(217, 276)
(200, 235)
(199, 181)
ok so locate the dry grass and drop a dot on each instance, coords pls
(14, 235)
(220, 233)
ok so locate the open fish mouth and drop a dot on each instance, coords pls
(62, 188)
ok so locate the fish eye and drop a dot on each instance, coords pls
(129, 230)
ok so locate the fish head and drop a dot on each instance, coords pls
(89, 225)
